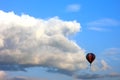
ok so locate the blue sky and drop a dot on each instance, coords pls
(48, 40)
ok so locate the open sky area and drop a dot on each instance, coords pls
(49, 39)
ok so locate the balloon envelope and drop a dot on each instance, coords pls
(90, 57)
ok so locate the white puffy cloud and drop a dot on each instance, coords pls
(27, 41)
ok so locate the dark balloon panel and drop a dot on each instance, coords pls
(90, 57)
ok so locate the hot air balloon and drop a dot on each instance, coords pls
(90, 57)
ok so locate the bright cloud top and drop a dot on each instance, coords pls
(27, 41)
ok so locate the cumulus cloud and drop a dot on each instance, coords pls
(73, 7)
(26, 41)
